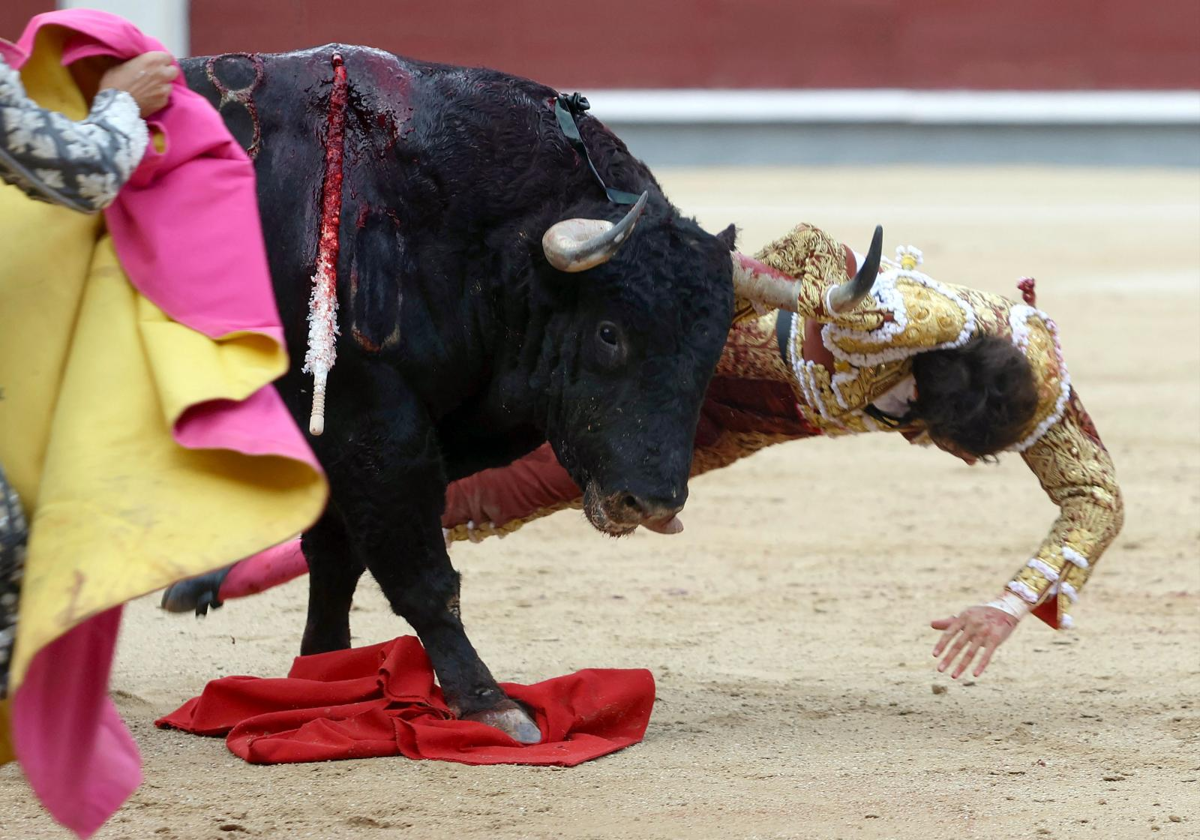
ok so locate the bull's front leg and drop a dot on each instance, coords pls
(388, 486)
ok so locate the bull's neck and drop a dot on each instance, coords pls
(518, 391)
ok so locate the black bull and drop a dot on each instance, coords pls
(461, 347)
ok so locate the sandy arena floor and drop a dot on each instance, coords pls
(788, 626)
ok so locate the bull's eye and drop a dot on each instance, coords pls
(610, 345)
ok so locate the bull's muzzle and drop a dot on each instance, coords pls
(621, 512)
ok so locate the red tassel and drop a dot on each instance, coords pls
(1028, 294)
(331, 193)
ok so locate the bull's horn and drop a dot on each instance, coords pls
(774, 289)
(766, 286)
(579, 244)
(846, 296)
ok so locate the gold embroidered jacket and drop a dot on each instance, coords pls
(908, 313)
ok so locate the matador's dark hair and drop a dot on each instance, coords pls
(979, 397)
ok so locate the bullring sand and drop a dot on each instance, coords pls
(787, 627)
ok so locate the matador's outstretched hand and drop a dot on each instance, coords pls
(979, 629)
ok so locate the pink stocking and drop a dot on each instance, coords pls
(277, 565)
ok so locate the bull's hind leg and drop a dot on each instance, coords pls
(333, 573)
(387, 480)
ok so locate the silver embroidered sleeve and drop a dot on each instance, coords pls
(81, 165)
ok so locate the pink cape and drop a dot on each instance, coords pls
(187, 232)
(10, 53)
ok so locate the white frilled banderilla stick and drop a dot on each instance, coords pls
(322, 305)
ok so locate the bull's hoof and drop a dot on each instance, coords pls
(510, 719)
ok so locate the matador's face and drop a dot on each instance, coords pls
(918, 435)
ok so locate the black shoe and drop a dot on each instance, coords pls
(198, 593)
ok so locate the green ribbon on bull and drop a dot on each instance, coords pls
(565, 109)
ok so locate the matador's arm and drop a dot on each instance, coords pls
(1077, 474)
(81, 165)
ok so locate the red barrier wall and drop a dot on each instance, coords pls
(14, 14)
(985, 44)
(1015, 44)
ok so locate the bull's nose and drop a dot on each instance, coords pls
(652, 507)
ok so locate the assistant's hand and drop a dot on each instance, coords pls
(978, 629)
(146, 78)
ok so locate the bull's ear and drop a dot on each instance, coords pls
(728, 237)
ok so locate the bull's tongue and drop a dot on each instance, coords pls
(669, 525)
